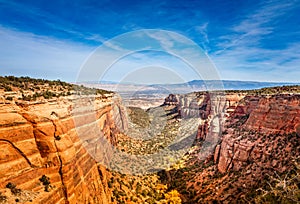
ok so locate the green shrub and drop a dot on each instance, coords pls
(14, 190)
(10, 185)
(46, 182)
(7, 88)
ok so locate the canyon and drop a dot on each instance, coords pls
(59, 149)
(258, 148)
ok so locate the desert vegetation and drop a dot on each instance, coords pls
(269, 175)
(141, 189)
(274, 178)
(14, 194)
(269, 90)
(29, 89)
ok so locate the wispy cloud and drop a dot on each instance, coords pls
(27, 54)
(165, 39)
(134, 51)
(243, 52)
(260, 64)
(54, 24)
(202, 29)
(254, 27)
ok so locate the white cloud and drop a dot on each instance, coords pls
(28, 54)
(202, 29)
(260, 64)
(254, 27)
(243, 57)
(165, 39)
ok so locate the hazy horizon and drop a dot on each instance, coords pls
(136, 83)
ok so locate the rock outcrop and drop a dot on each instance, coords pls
(256, 122)
(49, 139)
(231, 153)
(275, 114)
(209, 107)
(190, 105)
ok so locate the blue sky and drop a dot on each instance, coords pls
(246, 40)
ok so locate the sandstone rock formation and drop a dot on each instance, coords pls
(257, 154)
(267, 115)
(231, 154)
(190, 105)
(275, 114)
(49, 139)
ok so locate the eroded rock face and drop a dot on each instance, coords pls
(275, 114)
(190, 105)
(46, 139)
(253, 147)
(263, 117)
(231, 154)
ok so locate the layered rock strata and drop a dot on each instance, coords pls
(49, 139)
(258, 121)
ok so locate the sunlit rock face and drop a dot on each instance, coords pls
(190, 105)
(266, 118)
(45, 138)
(266, 115)
(275, 114)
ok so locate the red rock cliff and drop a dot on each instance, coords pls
(275, 114)
(42, 139)
(255, 129)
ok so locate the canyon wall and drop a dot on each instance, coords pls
(49, 138)
(275, 114)
(259, 142)
(251, 121)
(209, 107)
(190, 105)
(257, 130)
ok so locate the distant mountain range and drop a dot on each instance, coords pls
(226, 84)
(157, 90)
